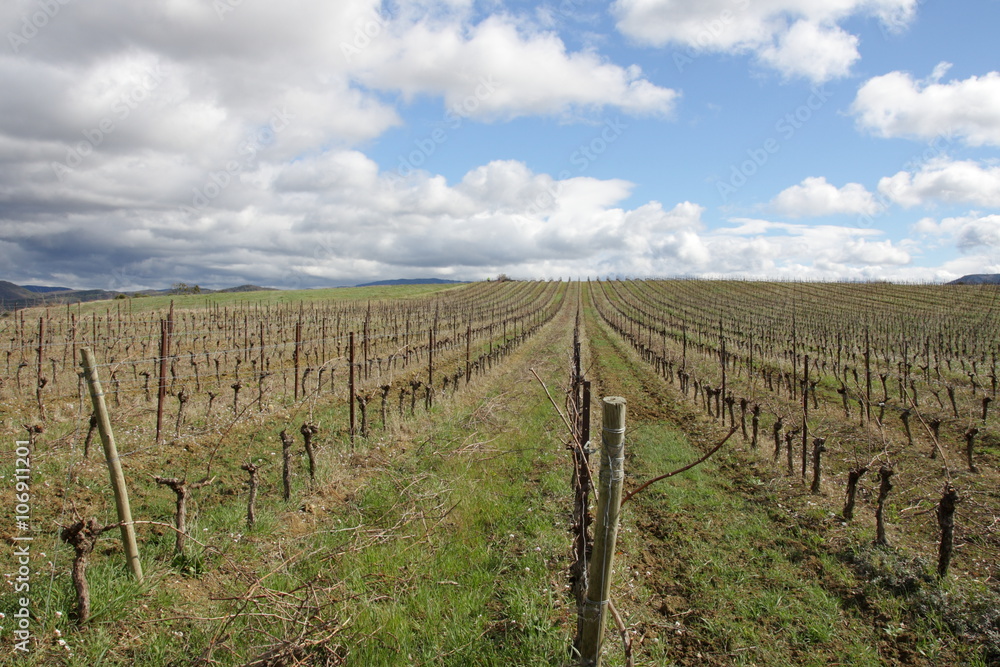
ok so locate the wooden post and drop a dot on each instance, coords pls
(251, 468)
(350, 388)
(805, 416)
(722, 358)
(41, 345)
(868, 376)
(946, 521)
(295, 355)
(366, 336)
(41, 381)
(286, 465)
(114, 465)
(430, 369)
(609, 500)
(161, 392)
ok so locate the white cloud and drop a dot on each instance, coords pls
(499, 69)
(815, 197)
(896, 105)
(969, 233)
(962, 182)
(812, 51)
(762, 248)
(230, 132)
(797, 37)
(336, 217)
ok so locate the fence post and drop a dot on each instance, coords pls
(114, 464)
(161, 390)
(351, 389)
(609, 500)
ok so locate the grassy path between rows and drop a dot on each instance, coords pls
(722, 565)
(471, 566)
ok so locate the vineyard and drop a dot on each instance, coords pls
(380, 477)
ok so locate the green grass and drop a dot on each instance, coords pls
(444, 540)
(262, 298)
(722, 568)
(469, 578)
(756, 596)
(438, 541)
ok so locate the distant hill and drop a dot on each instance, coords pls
(42, 289)
(412, 281)
(172, 291)
(246, 288)
(14, 297)
(978, 279)
(12, 291)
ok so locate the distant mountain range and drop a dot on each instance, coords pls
(42, 289)
(411, 281)
(15, 297)
(978, 279)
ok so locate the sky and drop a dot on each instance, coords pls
(314, 143)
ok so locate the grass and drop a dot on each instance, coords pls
(719, 567)
(440, 540)
(443, 539)
(147, 304)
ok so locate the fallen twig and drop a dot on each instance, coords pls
(680, 470)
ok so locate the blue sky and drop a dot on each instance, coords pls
(308, 144)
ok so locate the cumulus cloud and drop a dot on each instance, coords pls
(815, 197)
(944, 180)
(190, 135)
(225, 142)
(499, 69)
(336, 217)
(968, 233)
(810, 247)
(897, 105)
(812, 51)
(799, 38)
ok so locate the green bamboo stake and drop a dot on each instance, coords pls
(114, 464)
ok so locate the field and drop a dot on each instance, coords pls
(413, 484)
